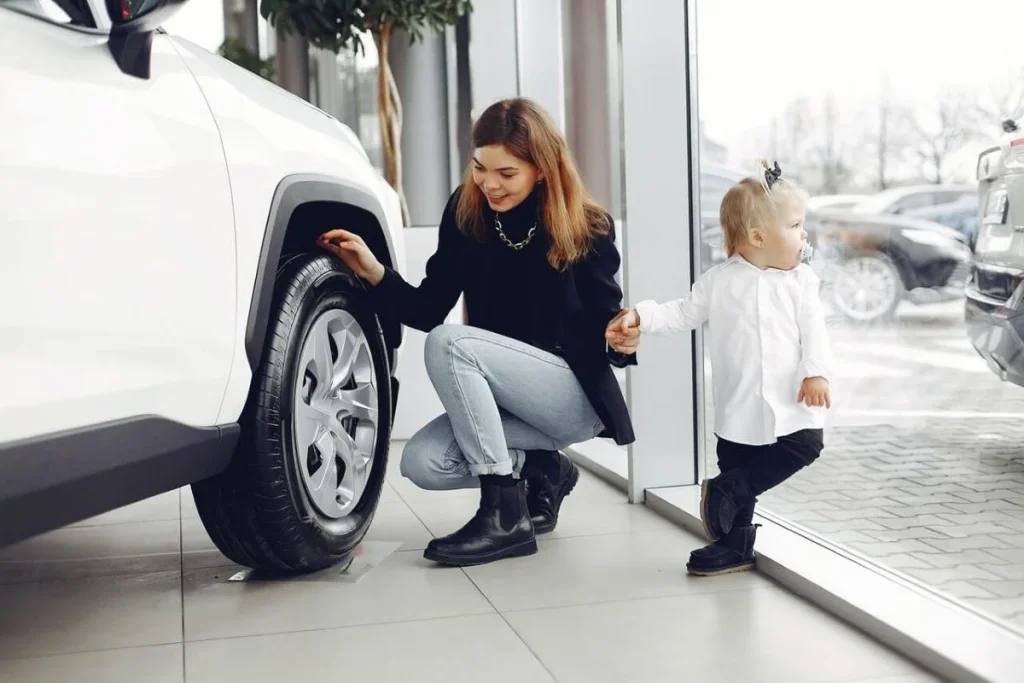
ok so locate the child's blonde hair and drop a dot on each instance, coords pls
(755, 203)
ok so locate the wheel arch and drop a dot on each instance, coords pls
(304, 205)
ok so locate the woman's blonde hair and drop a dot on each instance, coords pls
(755, 203)
(568, 212)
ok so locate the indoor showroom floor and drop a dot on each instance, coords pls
(140, 594)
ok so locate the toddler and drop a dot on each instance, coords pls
(770, 359)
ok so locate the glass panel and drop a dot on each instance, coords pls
(345, 86)
(923, 467)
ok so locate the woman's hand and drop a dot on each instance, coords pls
(623, 332)
(351, 249)
(815, 393)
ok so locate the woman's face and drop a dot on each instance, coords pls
(505, 180)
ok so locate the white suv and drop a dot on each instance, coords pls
(166, 316)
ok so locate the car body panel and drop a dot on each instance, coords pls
(928, 255)
(134, 211)
(899, 200)
(995, 292)
(269, 135)
(118, 237)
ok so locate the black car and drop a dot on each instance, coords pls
(995, 291)
(868, 263)
(875, 262)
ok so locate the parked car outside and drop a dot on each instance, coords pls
(869, 264)
(902, 200)
(961, 215)
(834, 202)
(995, 291)
(876, 262)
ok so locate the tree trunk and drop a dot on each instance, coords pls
(389, 106)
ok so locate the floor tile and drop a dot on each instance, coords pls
(404, 587)
(188, 504)
(160, 664)
(82, 552)
(395, 522)
(908, 678)
(76, 616)
(574, 571)
(162, 508)
(389, 495)
(755, 636)
(198, 551)
(482, 649)
(86, 542)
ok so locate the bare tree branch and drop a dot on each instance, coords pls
(942, 133)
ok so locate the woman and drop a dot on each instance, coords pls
(530, 373)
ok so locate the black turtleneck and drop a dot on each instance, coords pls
(517, 294)
(507, 291)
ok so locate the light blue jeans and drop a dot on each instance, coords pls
(501, 398)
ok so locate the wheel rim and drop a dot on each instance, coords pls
(865, 288)
(335, 413)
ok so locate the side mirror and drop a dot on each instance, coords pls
(131, 33)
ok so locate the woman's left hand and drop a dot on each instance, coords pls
(623, 332)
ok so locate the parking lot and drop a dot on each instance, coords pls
(924, 462)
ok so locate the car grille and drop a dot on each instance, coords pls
(996, 284)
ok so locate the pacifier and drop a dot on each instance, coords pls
(806, 251)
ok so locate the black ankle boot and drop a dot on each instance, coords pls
(733, 552)
(550, 477)
(721, 499)
(501, 528)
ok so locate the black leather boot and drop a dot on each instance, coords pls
(550, 477)
(721, 500)
(501, 528)
(733, 552)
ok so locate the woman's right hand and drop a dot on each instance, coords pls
(351, 249)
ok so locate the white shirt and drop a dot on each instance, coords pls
(767, 334)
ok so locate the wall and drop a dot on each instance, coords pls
(417, 401)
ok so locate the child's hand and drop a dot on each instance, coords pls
(623, 332)
(815, 392)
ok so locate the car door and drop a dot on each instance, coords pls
(117, 263)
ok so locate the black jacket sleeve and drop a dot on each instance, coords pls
(600, 294)
(426, 306)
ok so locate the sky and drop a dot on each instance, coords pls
(757, 56)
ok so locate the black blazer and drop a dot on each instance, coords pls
(587, 297)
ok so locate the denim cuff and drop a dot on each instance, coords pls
(499, 468)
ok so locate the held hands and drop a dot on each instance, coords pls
(351, 249)
(815, 392)
(623, 331)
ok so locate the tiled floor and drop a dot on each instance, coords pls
(923, 470)
(141, 595)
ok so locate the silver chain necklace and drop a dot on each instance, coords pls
(504, 238)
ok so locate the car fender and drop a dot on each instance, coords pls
(293, 192)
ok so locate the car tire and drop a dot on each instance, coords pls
(266, 510)
(866, 288)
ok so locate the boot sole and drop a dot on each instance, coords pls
(519, 550)
(567, 488)
(736, 568)
(704, 511)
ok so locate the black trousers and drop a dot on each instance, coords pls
(765, 467)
